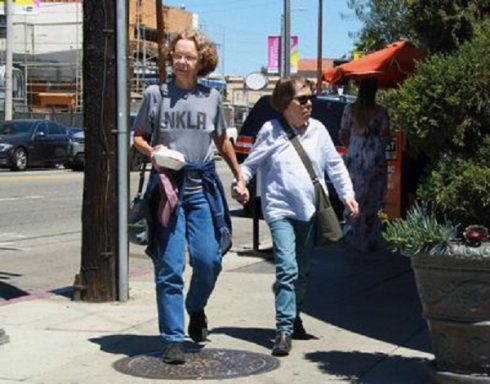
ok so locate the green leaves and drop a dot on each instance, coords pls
(433, 25)
(444, 107)
(384, 22)
(445, 111)
(459, 187)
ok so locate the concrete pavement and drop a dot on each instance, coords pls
(363, 310)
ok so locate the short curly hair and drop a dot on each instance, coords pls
(285, 90)
(208, 56)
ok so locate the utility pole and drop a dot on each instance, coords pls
(98, 280)
(122, 148)
(319, 57)
(287, 37)
(223, 53)
(9, 51)
(282, 44)
(160, 41)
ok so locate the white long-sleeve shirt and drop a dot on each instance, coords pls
(285, 187)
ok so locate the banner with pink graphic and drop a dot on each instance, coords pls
(294, 57)
(274, 54)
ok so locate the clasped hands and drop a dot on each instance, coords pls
(239, 191)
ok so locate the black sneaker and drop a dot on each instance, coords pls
(299, 332)
(282, 344)
(173, 353)
(198, 326)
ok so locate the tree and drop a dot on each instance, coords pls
(385, 21)
(433, 25)
(444, 109)
(441, 25)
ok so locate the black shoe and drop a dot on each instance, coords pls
(299, 332)
(282, 344)
(198, 326)
(173, 353)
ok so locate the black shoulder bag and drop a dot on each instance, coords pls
(138, 213)
(328, 230)
(138, 228)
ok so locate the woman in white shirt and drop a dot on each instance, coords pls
(288, 197)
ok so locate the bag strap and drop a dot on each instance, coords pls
(293, 137)
(163, 92)
(156, 123)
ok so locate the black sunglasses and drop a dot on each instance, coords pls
(305, 98)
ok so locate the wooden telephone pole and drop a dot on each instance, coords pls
(98, 280)
(319, 54)
(160, 41)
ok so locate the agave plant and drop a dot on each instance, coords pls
(420, 231)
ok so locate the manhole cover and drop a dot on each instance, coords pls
(204, 364)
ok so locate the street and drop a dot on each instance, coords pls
(40, 229)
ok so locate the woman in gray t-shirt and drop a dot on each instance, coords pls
(186, 117)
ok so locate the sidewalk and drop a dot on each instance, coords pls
(364, 312)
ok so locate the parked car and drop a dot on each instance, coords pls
(327, 109)
(30, 143)
(76, 150)
(232, 133)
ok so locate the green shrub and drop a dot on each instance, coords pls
(445, 108)
(445, 111)
(460, 188)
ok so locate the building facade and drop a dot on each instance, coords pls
(48, 45)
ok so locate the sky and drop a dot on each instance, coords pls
(240, 29)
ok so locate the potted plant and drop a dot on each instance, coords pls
(444, 112)
(452, 275)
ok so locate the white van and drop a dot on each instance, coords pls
(18, 90)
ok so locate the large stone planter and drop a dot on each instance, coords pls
(454, 288)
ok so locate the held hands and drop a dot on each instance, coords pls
(352, 207)
(240, 192)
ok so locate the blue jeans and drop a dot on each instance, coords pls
(192, 223)
(293, 246)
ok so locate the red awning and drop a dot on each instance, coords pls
(390, 65)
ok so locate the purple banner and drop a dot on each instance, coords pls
(273, 49)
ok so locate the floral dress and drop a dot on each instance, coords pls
(365, 159)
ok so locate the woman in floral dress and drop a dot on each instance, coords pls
(365, 132)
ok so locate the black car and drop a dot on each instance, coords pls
(29, 143)
(327, 109)
(76, 149)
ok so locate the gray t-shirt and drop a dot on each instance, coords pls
(189, 120)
